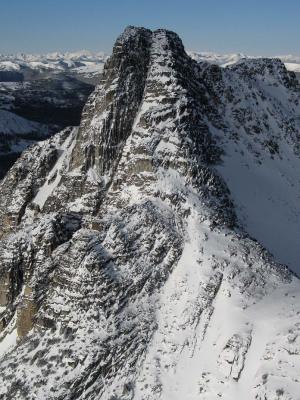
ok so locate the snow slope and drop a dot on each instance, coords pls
(261, 159)
(12, 124)
(292, 66)
(52, 182)
(268, 205)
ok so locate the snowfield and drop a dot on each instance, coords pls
(12, 124)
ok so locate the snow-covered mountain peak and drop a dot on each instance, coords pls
(126, 269)
(214, 58)
(80, 55)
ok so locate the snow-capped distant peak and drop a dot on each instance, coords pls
(214, 58)
(79, 55)
(55, 61)
(292, 63)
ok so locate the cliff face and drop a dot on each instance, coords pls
(124, 271)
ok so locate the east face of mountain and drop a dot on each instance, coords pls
(126, 270)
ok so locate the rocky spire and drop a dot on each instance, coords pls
(110, 111)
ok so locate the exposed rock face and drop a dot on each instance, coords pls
(109, 114)
(123, 267)
(26, 313)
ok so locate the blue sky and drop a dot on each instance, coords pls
(265, 27)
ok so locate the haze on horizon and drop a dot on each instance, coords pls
(258, 28)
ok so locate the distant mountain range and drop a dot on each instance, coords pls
(84, 64)
(89, 64)
(292, 63)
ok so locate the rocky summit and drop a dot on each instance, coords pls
(127, 271)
